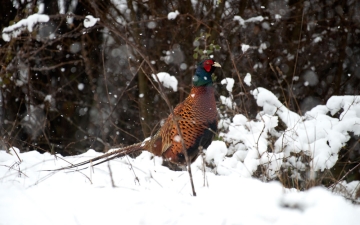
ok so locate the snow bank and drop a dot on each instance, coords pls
(316, 135)
(148, 193)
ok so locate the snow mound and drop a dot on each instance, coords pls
(315, 135)
(140, 190)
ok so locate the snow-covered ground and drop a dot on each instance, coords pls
(145, 192)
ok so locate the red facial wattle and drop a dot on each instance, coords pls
(208, 64)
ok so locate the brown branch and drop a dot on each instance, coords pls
(343, 177)
(45, 68)
(111, 175)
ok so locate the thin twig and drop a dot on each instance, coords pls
(105, 77)
(111, 175)
(298, 47)
(132, 169)
(343, 177)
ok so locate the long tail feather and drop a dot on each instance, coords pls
(112, 154)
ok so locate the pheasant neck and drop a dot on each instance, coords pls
(202, 79)
(203, 96)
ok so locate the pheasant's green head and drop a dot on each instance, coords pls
(204, 71)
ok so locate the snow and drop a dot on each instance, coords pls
(155, 196)
(317, 39)
(262, 47)
(61, 5)
(142, 191)
(167, 80)
(229, 83)
(316, 134)
(227, 101)
(247, 79)
(81, 86)
(173, 15)
(177, 138)
(250, 20)
(48, 98)
(90, 21)
(347, 188)
(244, 47)
(216, 152)
(310, 77)
(16, 29)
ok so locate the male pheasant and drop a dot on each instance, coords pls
(197, 120)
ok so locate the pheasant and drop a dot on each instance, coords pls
(197, 120)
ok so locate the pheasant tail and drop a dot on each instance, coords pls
(112, 154)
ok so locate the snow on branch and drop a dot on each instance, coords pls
(271, 106)
(319, 135)
(229, 83)
(90, 21)
(29, 23)
(173, 15)
(247, 79)
(167, 80)
(250, 20)
(228, 101)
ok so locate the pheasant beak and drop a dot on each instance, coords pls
(216, 64)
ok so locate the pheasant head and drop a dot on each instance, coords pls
(203, 72)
